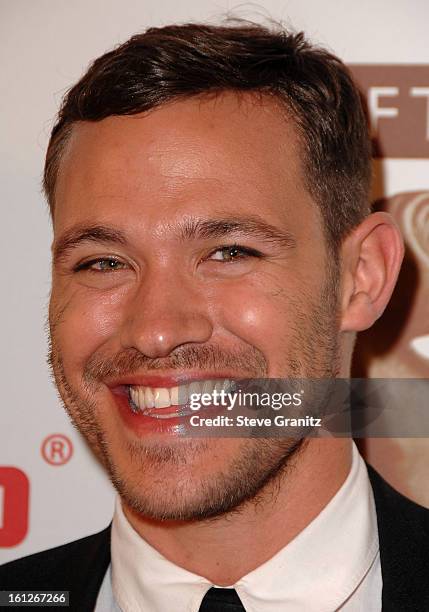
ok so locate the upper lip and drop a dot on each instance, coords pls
(167, 380)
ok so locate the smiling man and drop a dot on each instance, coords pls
(209, 195)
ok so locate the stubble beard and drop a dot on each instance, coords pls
(260, 466)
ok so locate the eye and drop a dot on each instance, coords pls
(233, 253)
(103, 264)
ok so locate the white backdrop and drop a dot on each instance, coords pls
(45, 47)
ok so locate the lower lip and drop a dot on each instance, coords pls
(142, 425)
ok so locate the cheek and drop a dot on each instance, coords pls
(83, 322)
(258, 313)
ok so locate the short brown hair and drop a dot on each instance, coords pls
(316, 88)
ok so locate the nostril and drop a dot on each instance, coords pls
(158, 332)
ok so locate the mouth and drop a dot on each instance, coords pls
(175, 401)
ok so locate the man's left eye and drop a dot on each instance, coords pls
(233, 253)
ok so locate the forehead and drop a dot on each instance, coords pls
(195, 155)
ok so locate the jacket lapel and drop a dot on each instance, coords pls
(403, 529)
(87, 571)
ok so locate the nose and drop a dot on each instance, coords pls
(163, 314)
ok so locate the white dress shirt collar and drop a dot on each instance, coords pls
(332, 564)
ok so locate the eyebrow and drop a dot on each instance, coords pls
(88, 233)
(253, 226)
(189, 229)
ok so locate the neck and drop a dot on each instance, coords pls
(226, 548)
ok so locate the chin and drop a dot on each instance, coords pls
(197, 479)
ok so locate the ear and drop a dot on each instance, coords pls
(371, 258)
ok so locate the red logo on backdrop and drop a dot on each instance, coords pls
(14, 498)
(57, 449)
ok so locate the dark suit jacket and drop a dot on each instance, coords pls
(403, 526)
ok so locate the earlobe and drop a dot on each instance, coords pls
(371, 259)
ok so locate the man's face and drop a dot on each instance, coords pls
(186, 247)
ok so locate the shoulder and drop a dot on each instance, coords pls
(403, 529)
(407, 515)
(65, 567)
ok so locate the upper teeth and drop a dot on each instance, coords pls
(162, 397)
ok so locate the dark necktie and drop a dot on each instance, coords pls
(221, 600)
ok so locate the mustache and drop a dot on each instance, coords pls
(250, 362)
